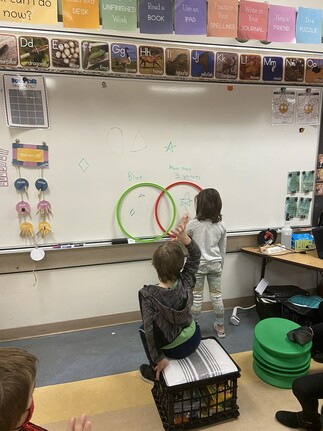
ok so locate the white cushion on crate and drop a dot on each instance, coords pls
(208, 360)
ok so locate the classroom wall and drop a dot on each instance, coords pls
(51, 296)
(46, 297)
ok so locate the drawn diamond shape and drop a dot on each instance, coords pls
(84, 165)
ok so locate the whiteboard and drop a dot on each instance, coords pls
(106, 136)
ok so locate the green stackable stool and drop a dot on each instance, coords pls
(277, 360)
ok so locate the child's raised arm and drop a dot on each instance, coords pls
(179, 231)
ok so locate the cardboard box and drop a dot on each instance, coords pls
(302, 241)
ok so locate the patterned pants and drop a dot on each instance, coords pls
(212, 271)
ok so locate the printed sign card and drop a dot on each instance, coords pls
(8, 50)
(303, 208)
(293, 182)
(319, 175)
(177, 62)
(281, 24)
(151, 60)
(119, 15)
(190, 16)
(222, 17)
(308, 107)
(29, 155)
(314, 71)
(283, 107)
(25, 101)
(291, 207)
(226, 65)
(66, 53)
(83, 14)
(253, 20)
(123, 58)
(309, 25)
(307, 184)
(33, 51)
(156, 16)
(95, 55)
(294, 69)
(272, 68)
(202, 64)
(250, 66)
(29, 12)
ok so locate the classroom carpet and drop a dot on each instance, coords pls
(99, 352)
(124, 402)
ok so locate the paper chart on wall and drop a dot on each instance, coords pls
(283, 107)
(308, 107)
(25, 101)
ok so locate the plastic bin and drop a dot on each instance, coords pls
(271, 302)
(198, 403)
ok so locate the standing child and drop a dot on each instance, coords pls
(209, 231)
(169, 329)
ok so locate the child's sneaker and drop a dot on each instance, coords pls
(147, 373)
(219, 330)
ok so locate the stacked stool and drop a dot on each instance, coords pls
(276, 360)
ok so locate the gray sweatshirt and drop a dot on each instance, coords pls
(211, 238)
(168, 311)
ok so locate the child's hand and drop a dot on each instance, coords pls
(79, 424)
(179, 232)
(160, 366)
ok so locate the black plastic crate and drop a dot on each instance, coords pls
(304, 316)
(199, 403)
(271, 302)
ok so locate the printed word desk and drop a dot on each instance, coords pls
(308, 260)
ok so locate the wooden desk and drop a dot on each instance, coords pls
(308, 260)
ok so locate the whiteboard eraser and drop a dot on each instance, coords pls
(119, 241)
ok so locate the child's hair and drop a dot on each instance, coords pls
(17, 375)
(168, 260)
(208, 205)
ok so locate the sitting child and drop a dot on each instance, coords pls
(307, 389)
(169, 329)
(17, 384)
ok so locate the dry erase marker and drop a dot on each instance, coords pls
(68, 245)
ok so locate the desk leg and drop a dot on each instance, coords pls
(263, 267)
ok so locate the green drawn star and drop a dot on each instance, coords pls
(186, 200)
(170, 147)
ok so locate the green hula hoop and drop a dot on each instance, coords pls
(156, 238)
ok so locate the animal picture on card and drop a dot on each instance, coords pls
(294, 69)
(151, 60)
(319, 175)
(123, 58)
(250, 67)
(226, 65)
(95, 55)
(202, 64)
(177, 62)
(314, 70)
